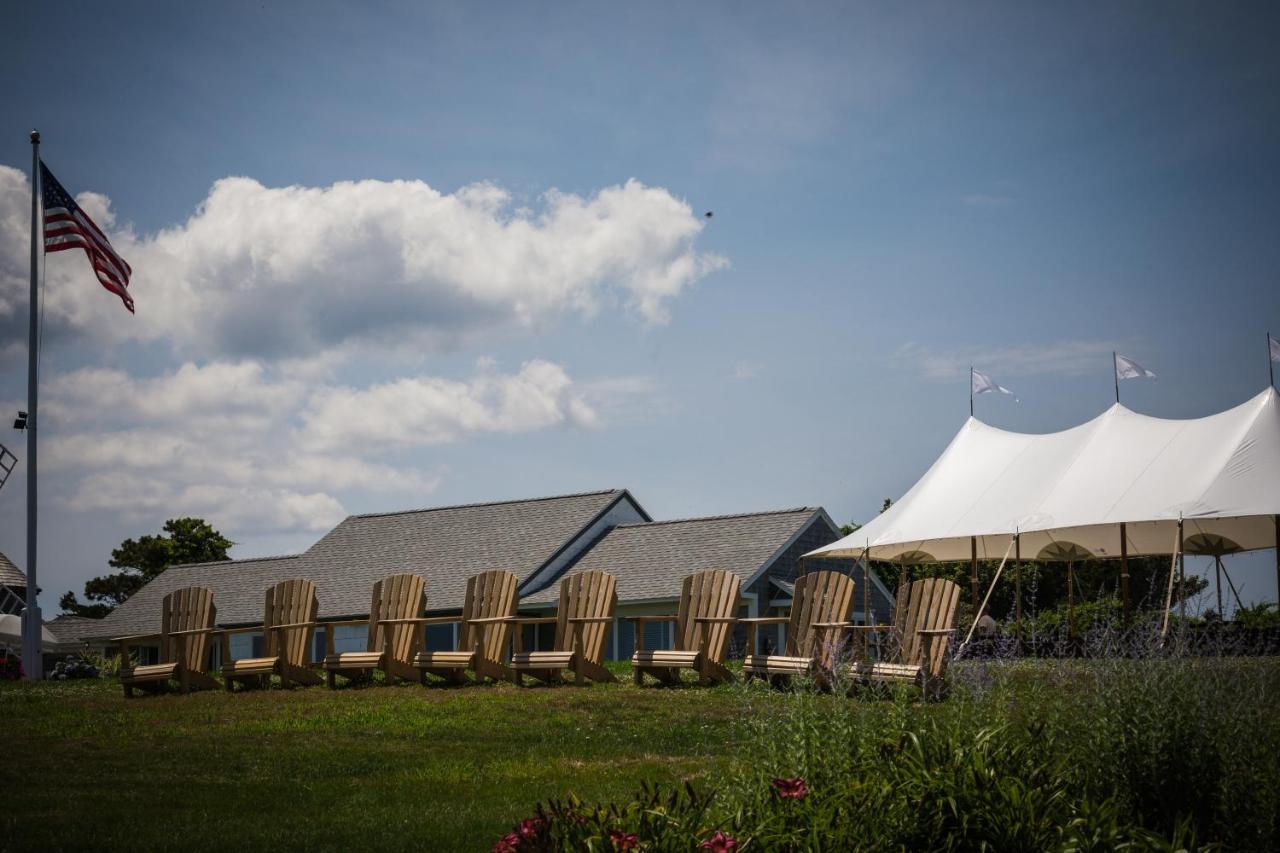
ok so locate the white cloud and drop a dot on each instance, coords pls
(1064, 358)
(425, 411)
(254, 450)
(296, 271)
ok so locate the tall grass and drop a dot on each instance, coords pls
(1147, 749)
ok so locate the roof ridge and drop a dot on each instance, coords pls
(687, 520)
(487, 503)
(237, 560)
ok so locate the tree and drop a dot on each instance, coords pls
(141, 560)
(853, 526)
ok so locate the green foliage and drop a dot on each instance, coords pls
(184, 540)
(654, 820)
(1261, 616)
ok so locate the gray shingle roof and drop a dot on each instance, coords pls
(445, 545)
(650, 560)
(69, 628)
(238, 587)
(11, 575)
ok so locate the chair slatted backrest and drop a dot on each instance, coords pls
(713, 594)
(587, 595)
(489, 595)
(288, 603)
(930, 606)
(819, 597)
(396, 597)
(187, 609)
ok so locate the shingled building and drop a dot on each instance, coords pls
(540, 540)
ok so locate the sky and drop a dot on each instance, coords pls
(390, 256)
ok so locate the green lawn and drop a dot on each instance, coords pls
(402, 767)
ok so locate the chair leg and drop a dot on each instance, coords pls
(329, 678)
(637, 675)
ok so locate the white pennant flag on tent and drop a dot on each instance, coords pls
(1275, 348)
(1127, 368)
(982, 384)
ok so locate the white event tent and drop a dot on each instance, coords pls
(1069, 495)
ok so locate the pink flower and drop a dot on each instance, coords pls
(509, 843)
(530, 828)
(791, 789)
(623, 840)
(719, 843)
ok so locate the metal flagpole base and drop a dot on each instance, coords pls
(32, 659)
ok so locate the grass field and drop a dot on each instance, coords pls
(393, 768)
(1155, 754)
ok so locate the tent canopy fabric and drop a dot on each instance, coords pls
(1066, 493)
(11, 635)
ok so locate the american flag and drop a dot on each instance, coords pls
(66, 226)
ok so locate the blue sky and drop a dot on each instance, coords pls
(897, 192)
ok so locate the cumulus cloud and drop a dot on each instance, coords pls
(424, 411)
(296, 271)
(255, 449)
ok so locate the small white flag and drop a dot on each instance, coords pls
(1275, 348)
(1127, 368)
(982, 384)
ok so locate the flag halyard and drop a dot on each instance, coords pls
(67, 226)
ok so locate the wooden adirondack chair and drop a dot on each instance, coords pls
(288, 626)
(186, 621)
(820, 609)
(708, 610)
(487, 610)
(395, 631)
(925, 618)
(587, 604)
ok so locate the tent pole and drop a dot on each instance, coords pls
(1231, 583)
(1168, 596)
(1277, 521)
(1182, 575)
(1124, 573)
(973, 568)
(1017, 585)
(1071, 600)
(1217, 573)
(978, 614)
(866, 585)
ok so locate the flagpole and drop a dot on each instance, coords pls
(1115, 373)
(1271, 363)
(32, 660)
(971, 389)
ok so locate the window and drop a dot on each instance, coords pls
(440, 638)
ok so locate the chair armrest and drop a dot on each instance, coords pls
(488, 620)
(415, 620)
(643, 619)
(342, 623)
(589, 619)
(831, 625)
(134, 638)
(294, 625)
(766, 620)
(242, 630)
(870, 627)
(532, 620)
(726, 620)
(193, 631)
(935, 632)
